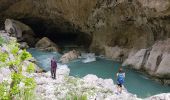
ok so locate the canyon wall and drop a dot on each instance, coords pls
(121, 26)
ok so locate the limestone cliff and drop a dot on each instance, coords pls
(125, 23)
(154, 60)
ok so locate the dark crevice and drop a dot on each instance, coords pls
(158, 61)
(146, 56)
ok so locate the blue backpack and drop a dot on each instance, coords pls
(120, 78)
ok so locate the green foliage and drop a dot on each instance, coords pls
(30, 68)
(3, 90)
(3, 56)
(25, 55)
(1, 40)
(76, 97)
(21, 86)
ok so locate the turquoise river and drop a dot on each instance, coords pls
(135, 82)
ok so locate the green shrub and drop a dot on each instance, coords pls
(1, 40)
(73, 96)
(21, 87)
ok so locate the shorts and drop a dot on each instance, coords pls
(120, 85)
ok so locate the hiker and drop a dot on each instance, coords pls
(53, 68)
(120, 79)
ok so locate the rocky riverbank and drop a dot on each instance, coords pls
(90, 87)
(65, 86)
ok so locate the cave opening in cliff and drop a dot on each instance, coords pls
(63, 34)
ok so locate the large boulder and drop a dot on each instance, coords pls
(164, 67)
(71, 55)
(158, 62)
(155, 60)
(21, 31)
(46, 45)
(136, 60)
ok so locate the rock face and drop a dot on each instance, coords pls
(116, 53)
(155, 60)
(71, 55)
(21, 31)
(136, 60)
(124, 23)
(111, 26)
(46, 45)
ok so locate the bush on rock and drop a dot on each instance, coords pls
(19, 85)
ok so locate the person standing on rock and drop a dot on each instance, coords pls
(53, 68)
(120, 79)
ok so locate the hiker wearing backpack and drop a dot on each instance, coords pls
(120, 79)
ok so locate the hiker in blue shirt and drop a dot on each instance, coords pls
(120, 79)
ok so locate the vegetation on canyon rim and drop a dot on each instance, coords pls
(20, 86)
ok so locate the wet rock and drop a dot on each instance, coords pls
(71, 55)
(46, 44)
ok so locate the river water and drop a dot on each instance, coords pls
(135, 82)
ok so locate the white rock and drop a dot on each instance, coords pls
(1, 78)
(108, 84)
(136, 60)
(62, 70)
(152, 60)
(90, 79)
(163, 96)
(164, 67)
(5, 71)
(71, 55)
